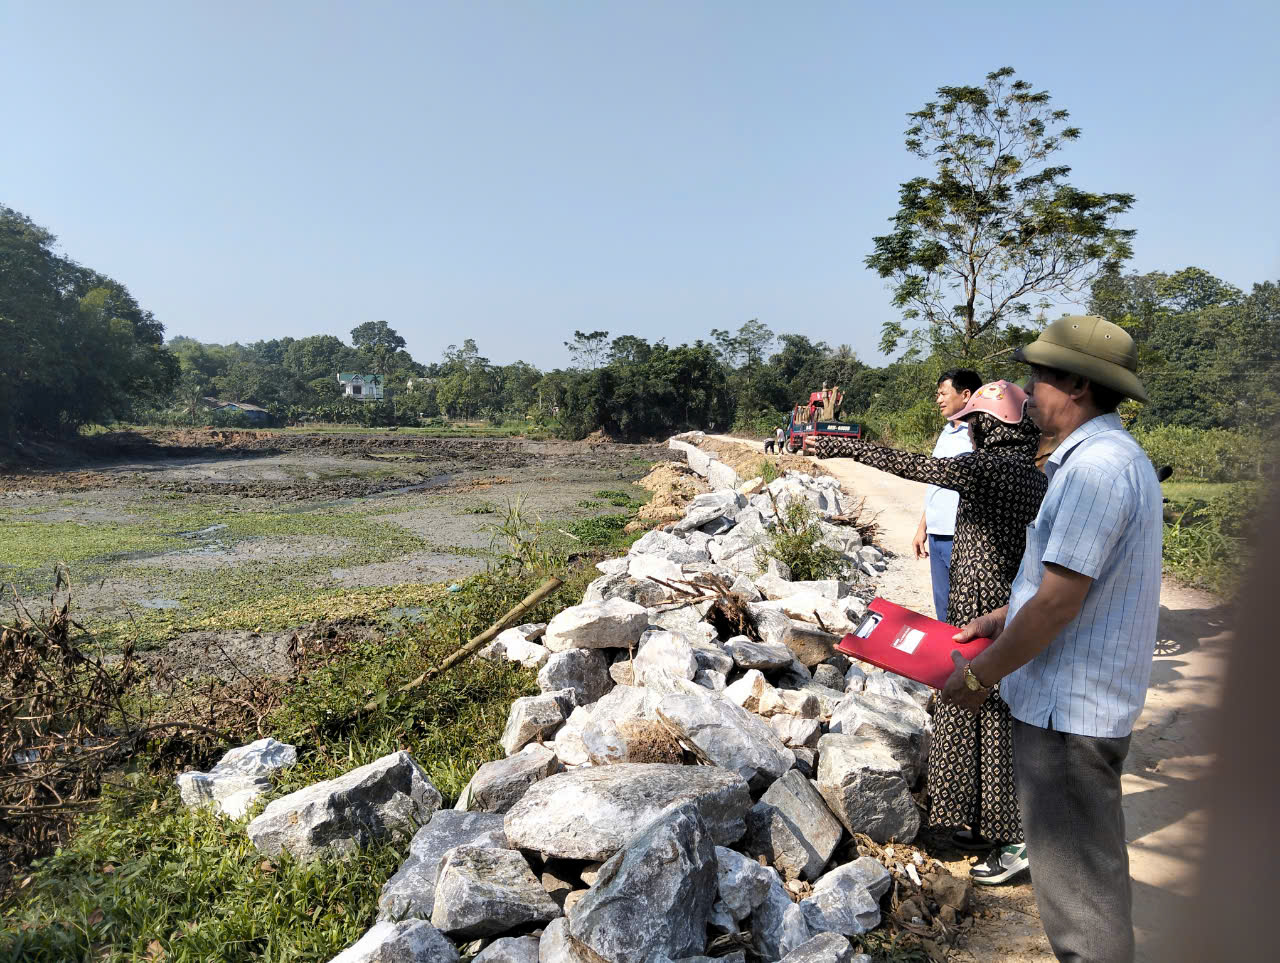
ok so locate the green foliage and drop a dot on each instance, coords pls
(768, 470)
(619, 499)
(138, 879)
(1208, 454)
(144, 869)
(1205, 543)
(797, 541)
(670, 390)
(1209, 355)
(997, 225)
(75, 347)
(602, 532)
(518, 544)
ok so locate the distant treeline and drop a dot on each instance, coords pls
(77, 348)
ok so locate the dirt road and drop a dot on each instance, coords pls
(1169, 757)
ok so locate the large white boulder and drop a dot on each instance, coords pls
(792, 828)
(841, 903)
(497, 785)
(652, 900)
(532, 717)
(486, 892)
(728, 736)
(388, 798)
(518, 644)
(674, 548)
(901, 727)
(592, 813)
(584, 672)
(612, 624)
(239, 778)
(863, 785)
(412, 941)
(411, 892)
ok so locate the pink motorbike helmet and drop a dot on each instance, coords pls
(1000, 399)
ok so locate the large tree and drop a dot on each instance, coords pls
(379, 342)
(997, 229)
(75, 346)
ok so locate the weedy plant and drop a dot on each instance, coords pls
(797, 540)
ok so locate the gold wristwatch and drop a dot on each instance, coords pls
(971, 681)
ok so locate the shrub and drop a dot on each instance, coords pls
(1205, 542)
(798, 541)
(1208, 454)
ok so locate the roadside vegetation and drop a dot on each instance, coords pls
(134, 875)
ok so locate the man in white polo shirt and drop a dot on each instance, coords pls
(1073, 647)
(937, 526)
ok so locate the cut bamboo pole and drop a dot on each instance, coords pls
(457, 655)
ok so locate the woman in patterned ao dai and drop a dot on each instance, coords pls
(971, 760)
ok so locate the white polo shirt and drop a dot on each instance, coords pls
(940, 504)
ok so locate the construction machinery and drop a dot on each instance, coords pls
(812, 428)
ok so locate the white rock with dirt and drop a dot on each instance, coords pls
(557, 946)
(386, 799)
(727, 736)
(673, 548)
(518, 645)
(655, 567)
(531, 717)
(708, 507)
(778, 925)
(796, 732)
(612, 624)
(902, 727)
(754, 655)
(509, 949)
(592, 813)
(792, 828)
(652, 900)
(497, 785)
(741, 884)
(666, 651)
(841, 903)
(410, 941)
(487, 892)
(410, 893)
(243, 774)
(862, 783)
(823, 948)
(720, 476)
(584, 672)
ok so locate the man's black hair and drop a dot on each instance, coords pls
(962, 379)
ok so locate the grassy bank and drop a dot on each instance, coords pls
(142, 878)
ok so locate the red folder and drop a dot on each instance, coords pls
(908, 643)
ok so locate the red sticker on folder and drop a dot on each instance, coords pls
(907, 643)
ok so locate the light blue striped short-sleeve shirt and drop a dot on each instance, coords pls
(1102, 517)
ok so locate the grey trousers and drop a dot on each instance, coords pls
(1069, 796)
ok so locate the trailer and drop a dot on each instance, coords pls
(806, 434)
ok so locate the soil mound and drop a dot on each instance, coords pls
(746, 461)
(673, 486)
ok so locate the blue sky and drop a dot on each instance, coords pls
(515, 171)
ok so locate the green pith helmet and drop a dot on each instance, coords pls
(1090, 346)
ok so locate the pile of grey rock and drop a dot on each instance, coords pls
(666, 786)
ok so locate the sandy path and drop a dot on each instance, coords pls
(1168, 759)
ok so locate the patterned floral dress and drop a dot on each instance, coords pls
(971, 760)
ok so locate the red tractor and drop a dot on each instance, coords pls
(810, 433)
